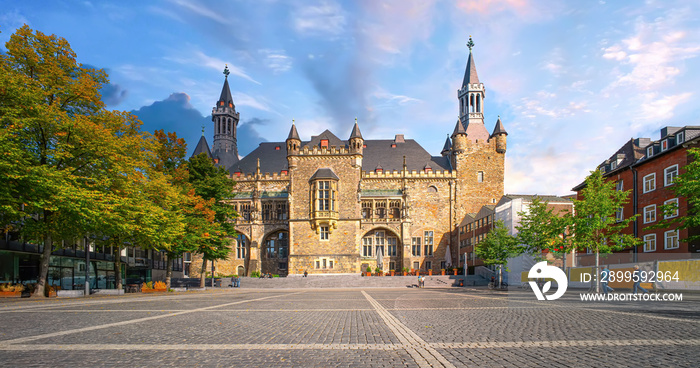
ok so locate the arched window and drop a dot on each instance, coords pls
(471, 103)
(241, 246)
(478, 103)
(277, 245)
(432, 189)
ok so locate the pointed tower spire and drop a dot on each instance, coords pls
(499, 129)
(471, 101)
(355, 131)
(459, 128)
(225, 119)
(293, 134)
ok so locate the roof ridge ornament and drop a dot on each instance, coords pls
(470, 44)
(226, 71)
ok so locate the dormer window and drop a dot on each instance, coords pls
(664, 145)
(613, 165)
(680, 137)
(230, 104)
(221, 103)
(602, 169)
(650, 151)
(324, 143)
(277, 148)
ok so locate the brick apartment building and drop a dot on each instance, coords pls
(648, 168)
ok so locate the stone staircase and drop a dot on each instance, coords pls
(354, 281)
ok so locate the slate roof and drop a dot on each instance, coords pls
(324, 173)
(226, 159)
(332, 140)
(470, 75)
(447, 147)
(459, 128)
(202, 147)
(272, 160)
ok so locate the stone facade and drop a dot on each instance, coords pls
(328, 206)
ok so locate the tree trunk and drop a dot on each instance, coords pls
(44, 263)
(118, 268)
(168, 271)
(203, 274)
(597, 270)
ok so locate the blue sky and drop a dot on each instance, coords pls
(571, 80)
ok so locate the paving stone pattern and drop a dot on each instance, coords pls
(328, 327)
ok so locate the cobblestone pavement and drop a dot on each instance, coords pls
(348, 328)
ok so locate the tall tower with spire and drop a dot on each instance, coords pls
(225, 118)
(471, 101)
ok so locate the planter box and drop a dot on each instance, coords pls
(70, 293)
(430, 272)
(153, 290)
(443, 272)
(369, 274)
(10, 294)
(455, 271)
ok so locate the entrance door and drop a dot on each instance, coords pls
(241, 271)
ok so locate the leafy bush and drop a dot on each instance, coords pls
(159, 285)
(255, 274)
(11, 288)
(369, 269)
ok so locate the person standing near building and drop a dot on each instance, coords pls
(636, 277)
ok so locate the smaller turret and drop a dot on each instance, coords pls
(500, 133)
(356, 141)
(459, 138)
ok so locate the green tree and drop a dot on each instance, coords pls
(213, 185)
(594, 222)
(498, 246)
(685, 185)
(59, 143)
(540, 228)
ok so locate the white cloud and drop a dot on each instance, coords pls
(243, 99)
(324, 18)
(197, 57)
(650, 61)
(655, 107)
(387, 98)
(202, 10)
(276, 60)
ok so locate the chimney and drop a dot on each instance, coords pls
(399, 138)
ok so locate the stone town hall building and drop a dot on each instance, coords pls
(330, 205)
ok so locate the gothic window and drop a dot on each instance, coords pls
(277, 245)
(478, 103)
(415, 246)
(428, 243)
(367, 246)
(241, 247)
(395, 209)
(380, 211)
(391, 247)
(325, 196)
(281, 210)
(471, 103)
(267, 211)
(366, 209)
(244, 211)
(379, 242)
(325, 233)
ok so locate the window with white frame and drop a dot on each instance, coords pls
(324, 232)
(680, 137)
(670, 174)
(613, 165)
(367, 246)
(391, 246)
(415, 246)
(650, 242)
(649, 213)
(664, 145)
(619, 186)
(671, 213)
(428, 243)
(619, 216)
(671, 239)
(650, 151)
(649, 183)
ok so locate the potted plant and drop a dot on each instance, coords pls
(455, 271)
(392, 272)
(11, 291)
(369, 271)
(405, 271)
(377, 271)
(442, 271)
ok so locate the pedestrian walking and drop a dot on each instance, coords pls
(637, 281)
(305, 273)
(604, 280)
